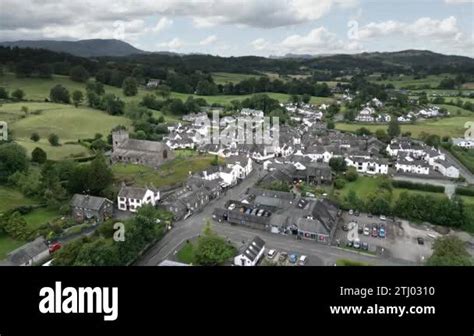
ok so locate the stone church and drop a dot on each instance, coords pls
(148, 153)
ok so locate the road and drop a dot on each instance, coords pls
(190, 228)
(193, 226)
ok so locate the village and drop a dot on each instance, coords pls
(286, 192)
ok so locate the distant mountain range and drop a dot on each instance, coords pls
(82, 48)
(406, 60)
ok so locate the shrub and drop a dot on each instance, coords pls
(418, 186)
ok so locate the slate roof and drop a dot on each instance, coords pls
(132, 192)
(26, 252)
(88, 202)
(254, 248)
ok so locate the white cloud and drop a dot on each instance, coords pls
(317, 41)
(260, 44)
(162, 24)
(445, 29)
(208, 40)
(173, 45)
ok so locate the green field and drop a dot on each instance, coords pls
(68, 122)
(227, 77)
(10, 199)
(8, 244)
(452, 127)
(39, 217)
(186, 254)
(365, 186)
(171, 173)
(225, 100)
(404, 81)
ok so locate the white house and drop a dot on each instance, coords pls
(252, 253)
(252, 113)
(366, 115)
(366, 165)
(132, 198)
(446, 168)
(412, 166)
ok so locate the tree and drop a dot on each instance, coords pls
(59, 94)
(79, 74)
(53, 139)
(13, 158)
(112, 104)
(164, 91)
(330, 124)
(393, 128)
(306, 98)
(77, 97)
(38, 155)
(351, 174)
(449, 251)
(45, 70)
(212, 250)
(3, 93)
(35, 137)
(382, 135)
(18, 94)
(130, 87)
(338, 164)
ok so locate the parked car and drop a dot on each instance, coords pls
(271, 254)
(303, 260)
(248, 211)
(421, 241)
(357, 243)
(370, 215)
(293, 258)
(345, 227)
(382, 232)
(383, 218)
(260, 212)
(54, 247)
(351, 212)
(360, 229)
(283, 256)
(375, 232)
(357, 213)
(349, 243)
(366, 231)
(365, 246)
(232, 206)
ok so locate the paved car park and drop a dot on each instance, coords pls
(384, 236)
(274, 257)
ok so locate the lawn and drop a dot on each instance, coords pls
(39, 217)
(7, 245)
(186, 254)
(365, 186)
(10, 199)
(171, 173)
(68, 122)
(225, 100)
(405, 81)
(227, 77)
(452, 127)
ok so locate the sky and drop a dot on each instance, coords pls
(249, 27)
